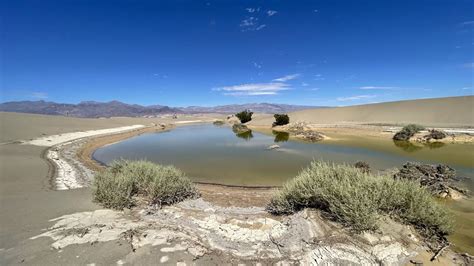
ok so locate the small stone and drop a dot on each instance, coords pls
(273, 147)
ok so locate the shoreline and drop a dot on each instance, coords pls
(230, 203)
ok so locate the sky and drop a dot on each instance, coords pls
(181, 53)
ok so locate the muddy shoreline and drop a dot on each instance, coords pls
(236, 208)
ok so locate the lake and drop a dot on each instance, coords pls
(215, 154)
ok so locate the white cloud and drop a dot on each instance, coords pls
(314, 89)
(257, 65)
(469, 65)
(251, 24)
(271, 12)
(467, 23)
(355, 98)
(252, 10)
(304, 84)
(254, 89)
(377, 88)
(287, 77)
(466, 88)
(39, 95)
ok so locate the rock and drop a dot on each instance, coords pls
(310, 135)
(240, 128)
(273, 147)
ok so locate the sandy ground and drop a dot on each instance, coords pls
(440, 112)
(34, 210)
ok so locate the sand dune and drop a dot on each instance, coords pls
(441, 112)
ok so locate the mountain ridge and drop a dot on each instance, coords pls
(94, 109)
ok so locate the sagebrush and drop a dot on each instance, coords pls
(407, 132)
(281, 119)
(358, 199)
(244, 116)
(118, 186)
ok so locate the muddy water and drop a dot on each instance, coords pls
(215, 154)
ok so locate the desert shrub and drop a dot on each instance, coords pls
(281, 119)
(436, 134)
(358, 199)
(244, 116)
(118, 185)
(407, 132)
(218, 123)
(363, 166)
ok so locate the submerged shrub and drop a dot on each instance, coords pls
(281, 119)
(218, 123)
(244, 116)
(407, 132)
(117, 186)
(358, 199)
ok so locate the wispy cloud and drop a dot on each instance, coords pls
(287, 77)
(257, 65)
(355, 98)
(254, 89)
(252, 9)
(469, 65)
(467, 23)
(378, 88)
(251, 24)
(304, 84)
(319, 77)
(271, 12)
(39, 95)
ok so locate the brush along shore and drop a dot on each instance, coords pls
(358, 201)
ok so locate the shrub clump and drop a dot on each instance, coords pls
(244, 116)
(358, 199)
(363, 166)
(119, 185)
(281, 119)
(407, 132)
(218, 123)
(435, 134)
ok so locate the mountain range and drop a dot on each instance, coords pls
(115, 108)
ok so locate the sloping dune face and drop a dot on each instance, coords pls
(442, 112)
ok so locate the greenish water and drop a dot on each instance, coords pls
(215, 154)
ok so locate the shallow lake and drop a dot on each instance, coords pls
(215, 154)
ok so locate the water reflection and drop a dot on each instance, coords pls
(410, 147)
(280, 136)
(407, 146)
(245, 135)
(434, 145)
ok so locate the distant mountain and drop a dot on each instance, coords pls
(269, 108)
(86, 109)
(116, 108)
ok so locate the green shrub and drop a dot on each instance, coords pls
(118, 185)
(244, 116)
(407, 132)
(358, 199)
(281, 119)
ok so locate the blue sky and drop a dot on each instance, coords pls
(183, 53)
